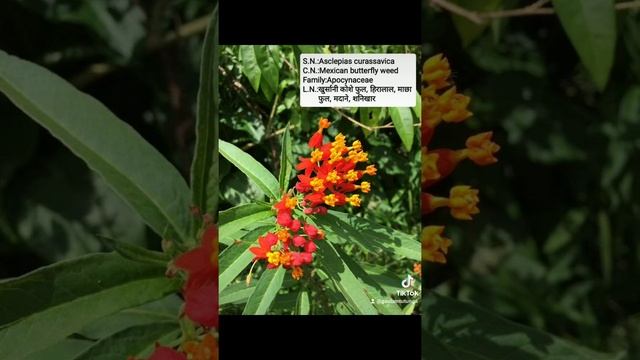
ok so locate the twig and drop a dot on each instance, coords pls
(272, 135)
(96, 71)
(537, 8)
(459, 10)
(357, 123)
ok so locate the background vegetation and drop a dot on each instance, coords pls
(555, 246)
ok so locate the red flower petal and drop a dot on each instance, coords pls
(299, 241)
(166, 353)
(284, 218)
(202, 304)
(316, 140)
(310, 247)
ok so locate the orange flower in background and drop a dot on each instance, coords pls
(165, 353)
(207, 349)
(204, 349)
(329, 178)
(201, 289)
(434, 246)
(442, 103)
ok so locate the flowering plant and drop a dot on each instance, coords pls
(320, 205)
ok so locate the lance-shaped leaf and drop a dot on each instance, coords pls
(591, 27)
(204, 170)
(242, 217)
(465, 331)
(53, 302)
(286, 160)
(112, 148)
(235, 258)
(255, 171)
(266, 290)
(351, 288)
(402, 118)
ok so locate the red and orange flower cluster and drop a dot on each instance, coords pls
(200, 293)
(329, 178)
(205, 349)
(442, 103)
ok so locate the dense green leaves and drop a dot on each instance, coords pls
(591, 27)
(402, 118)
(252, 168)
(286, 160)
(204, 169)
(469, 332)
(266, 290)
(370, 236)
(132, 167)
(261, 68)
(69, 295)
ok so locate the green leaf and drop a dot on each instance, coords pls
(286, 160)
(136, 253)
(129, 342)
(350, 287)
(250, 66)
(68, 295)
(470, 332)
(268, 69)
(468, 30)
(234, 259)
(403, 123)
(159, 311)
(132, 167)
(266, 290)
(250, 167)
(434, 349)
(66, 349)
(371, 116)
(381, 299)
(240, 217)
(591, 27)
(370, 236)
(303, 307)
(204, 170)
(236, 294)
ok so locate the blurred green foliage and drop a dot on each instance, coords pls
(556, 244)
(126, 54)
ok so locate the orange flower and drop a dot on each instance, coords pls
(436, 71)
(480, 148)
(441, 102)
(207, 349)
(463, 201)
(434, 246)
